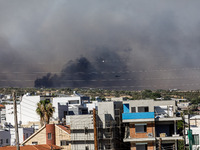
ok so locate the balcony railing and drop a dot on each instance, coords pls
(139, 115)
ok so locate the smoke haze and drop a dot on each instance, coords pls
(103, 44)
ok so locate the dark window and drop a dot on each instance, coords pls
(196, 139)
(116, 112)
(86, 148)
(84, 111)
(140, 128)
(133, 109)
(108, 146)
(1, 141)
(34, 143)
(49, 136)
(64, 143)
(7, 141)
(74, 102)
(86, 130)
(141, 147)
(65, 113)
(71, 113)
(143, 109)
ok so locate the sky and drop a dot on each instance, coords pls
(111, 44)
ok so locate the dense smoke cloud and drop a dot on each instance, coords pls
(156, 42)
(105, 69)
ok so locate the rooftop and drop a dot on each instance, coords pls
(65, 128)
(32, 147)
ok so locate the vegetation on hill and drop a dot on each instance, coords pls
(192, 96)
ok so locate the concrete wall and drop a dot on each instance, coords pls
(80, 121)
(60, 108)
(82, 131)
(150, 103)
(82, 146)
(4, 135)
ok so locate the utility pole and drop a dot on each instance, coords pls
(16, 121)
(184, 130)
(160, 143)
(95, 129)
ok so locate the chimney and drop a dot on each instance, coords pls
(50, 134)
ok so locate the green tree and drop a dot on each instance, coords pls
(45, 110)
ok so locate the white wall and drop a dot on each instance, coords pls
(66, 100)
(10, 114)
(91, 106)
(26, 110)
(2, 116)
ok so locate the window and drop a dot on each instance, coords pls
(86, 130)
(34, 143)
(108, 146)
(26, 135)
(64, 143)
(86, 148)
(7, 141)
(143, 109)
(141, 146)
(49, 136)
(140, 128)
(1, 141)
(196, 139)
(74, 102)
(133, 109)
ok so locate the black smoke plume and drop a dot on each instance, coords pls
(105, 70)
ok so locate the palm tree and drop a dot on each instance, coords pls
(45, 110)
(40, 112)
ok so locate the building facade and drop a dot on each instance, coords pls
(150, 124)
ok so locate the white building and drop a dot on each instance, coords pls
(70, 105)
(195, 127)
(26, 110)
(91, 106)
(63, 106)
(2, 114)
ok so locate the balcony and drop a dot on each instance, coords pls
(165, 113)
(170, 138)
(138, 117)
(135, 140)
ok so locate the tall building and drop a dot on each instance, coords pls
(150, 125)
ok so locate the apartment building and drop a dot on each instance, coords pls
(82, 131)
(150, 124)
(108, 126)
(194, 123)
